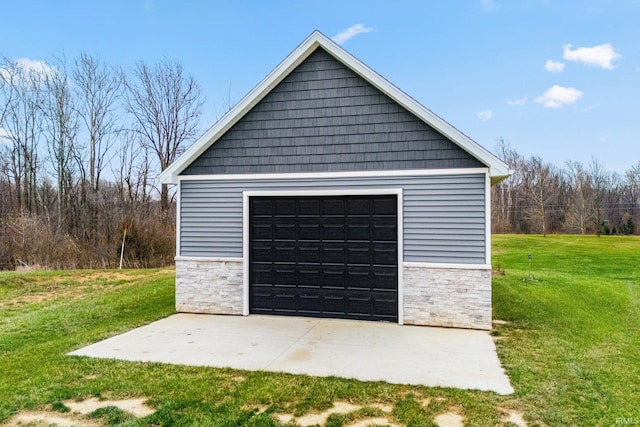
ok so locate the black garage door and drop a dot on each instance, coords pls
(324, 256)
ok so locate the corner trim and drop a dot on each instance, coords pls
(487, 218)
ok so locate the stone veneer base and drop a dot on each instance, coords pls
(209, 286)
(432, 296)
(447, 296)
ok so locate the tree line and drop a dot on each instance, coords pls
(577, 198)
(81, 143)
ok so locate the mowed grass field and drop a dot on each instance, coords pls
(570, 343)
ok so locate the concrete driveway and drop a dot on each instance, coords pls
(367, 351)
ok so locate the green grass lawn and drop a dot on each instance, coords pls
(571, 346)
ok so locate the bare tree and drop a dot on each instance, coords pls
(97, 90)
(22, 126)
(61, 132)
(599, 180)
(506, 195)
(579, 208)
(633, 191)
(7, 86)
(165, 105)
(542, 187)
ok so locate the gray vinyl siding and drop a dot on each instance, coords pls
(444, 216)
(324, 117)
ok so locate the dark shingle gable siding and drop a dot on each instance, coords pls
(323, 117)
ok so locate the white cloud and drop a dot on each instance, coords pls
(519, 101)
(485, 115)
(599, 56)
(553, 67)
(350, 32)
(557, 96)
(35, 66)
(30, 67)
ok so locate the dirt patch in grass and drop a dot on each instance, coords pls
(321, 418)
(342, 408)
(514, 417)
(452, 418)
(78, 412)
(136, 406)
(366, 422)
(46, 419)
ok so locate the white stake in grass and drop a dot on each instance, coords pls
(124, 235)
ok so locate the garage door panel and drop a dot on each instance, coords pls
(309, 207)
(282, 276)
(384, 306)
(261, 253)
(385, 233)
(358, 207)
(308, 277)
(333, 231)
(332, 207)
(384, 255)
(385, 278)
(358, 231)
(261, 207)
(309, 303)
(333, 253)
(358, 255)
(385, 206)
(284, 208)
(362, 279)
(285, 301)
(285, 232)
(334, 304)
(333, 279)
(261, 231)
(359, 304)
(309, 231)
(284, 253)
(324, 256)
(309, 254)
(262, 275)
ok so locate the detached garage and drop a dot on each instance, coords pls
(328, 192)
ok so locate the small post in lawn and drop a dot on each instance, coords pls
(531, 277)
(124, 235)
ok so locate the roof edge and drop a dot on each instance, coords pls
(497, 168)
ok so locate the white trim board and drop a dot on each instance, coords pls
(301, 193)
(497, 169)
(207, 259)
(178, 219)
(487, 219)
(452, 266)
(355, 174)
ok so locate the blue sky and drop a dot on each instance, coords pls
(560, 79)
